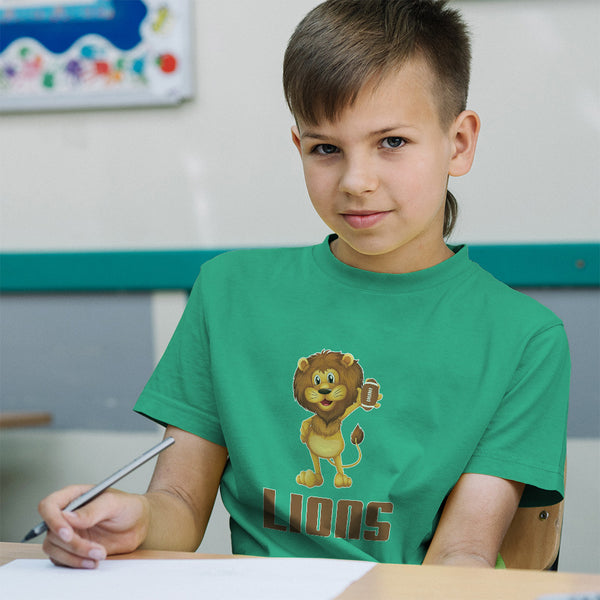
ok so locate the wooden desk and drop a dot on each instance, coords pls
(24, 419)
(406, 582)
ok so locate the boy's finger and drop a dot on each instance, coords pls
(101, 508)
(51, 507)
(76, 545)
(84, 518)
(68, 556)
(61, 498)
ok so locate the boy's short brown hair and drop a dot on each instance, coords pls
(341, 45)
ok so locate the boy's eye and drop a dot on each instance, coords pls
(393, 142)
(325, 149)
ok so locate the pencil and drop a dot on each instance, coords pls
(103, 485)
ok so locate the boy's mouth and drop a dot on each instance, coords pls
(363, 220)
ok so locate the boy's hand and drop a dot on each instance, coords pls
(172, 515)
(113, 523)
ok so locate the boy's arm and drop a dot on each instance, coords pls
(475, 519)
(182, 492)
(172, 515)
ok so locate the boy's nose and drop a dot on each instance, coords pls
(358, 178)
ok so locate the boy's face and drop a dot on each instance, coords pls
(377, 175)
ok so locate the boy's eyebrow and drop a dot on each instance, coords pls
(317, 135)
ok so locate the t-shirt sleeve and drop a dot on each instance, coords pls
(526, 439)
(180, 391)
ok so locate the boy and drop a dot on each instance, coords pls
(377, 396)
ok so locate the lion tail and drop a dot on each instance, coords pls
(357, 460)
(354, 463)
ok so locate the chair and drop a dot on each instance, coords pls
(533, 538)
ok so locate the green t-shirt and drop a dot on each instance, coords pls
(269, 358)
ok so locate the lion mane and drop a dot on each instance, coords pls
(327, 370)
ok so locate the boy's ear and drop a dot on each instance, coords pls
(296, 138)
(464, 131)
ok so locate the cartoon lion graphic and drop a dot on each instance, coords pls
(330, 384)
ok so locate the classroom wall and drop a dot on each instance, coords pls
(220, 171)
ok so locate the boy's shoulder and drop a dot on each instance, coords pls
(247, 257)
(248, 264)
(515, 304)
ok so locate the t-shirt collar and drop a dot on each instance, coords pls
(453, 267)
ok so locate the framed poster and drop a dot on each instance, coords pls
(66, 54)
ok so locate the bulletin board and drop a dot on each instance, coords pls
(66, 54)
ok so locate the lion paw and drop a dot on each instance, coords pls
(342, 480)
(309, 479)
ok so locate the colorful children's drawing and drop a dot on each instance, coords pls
(94, 53)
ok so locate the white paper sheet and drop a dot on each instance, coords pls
(239, 579)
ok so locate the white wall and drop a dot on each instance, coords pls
(536, 86)
(220, 171)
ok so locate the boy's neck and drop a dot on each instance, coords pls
(403, 260)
